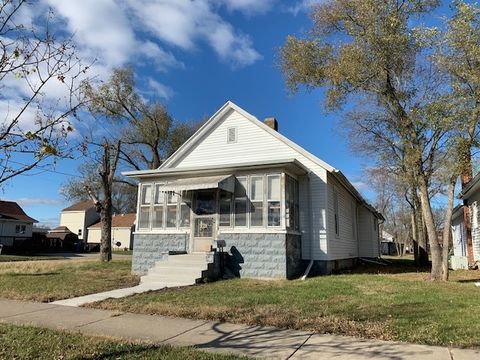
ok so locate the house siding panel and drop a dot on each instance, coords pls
(368, 238)
(344, 245)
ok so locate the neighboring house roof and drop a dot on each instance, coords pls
(11, 210)
(457, 211)
(80, 206)
(216, 118)
(62, 233)
(118, 221)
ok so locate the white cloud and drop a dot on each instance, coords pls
(302, 6)
(160, 90)
(38, 201)
(182, 23)
(249, 7)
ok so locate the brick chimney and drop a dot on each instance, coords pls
(271, 122)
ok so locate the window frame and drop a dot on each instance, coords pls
(141, 206)
(252, 201)
(270, 200)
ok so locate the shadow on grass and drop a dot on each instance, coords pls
(35, 274)
(391, 266)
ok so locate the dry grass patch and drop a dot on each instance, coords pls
(53, 280)
(394, 306)
(22, 342)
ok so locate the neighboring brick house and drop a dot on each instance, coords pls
(15, 224)
(78, 217)
(238, 183)
(123, 226)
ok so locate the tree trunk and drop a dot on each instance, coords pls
(446, 227)
(106, 237)
(435, 250)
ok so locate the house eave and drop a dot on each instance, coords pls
(292, 165)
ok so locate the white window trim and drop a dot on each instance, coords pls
(336, 213)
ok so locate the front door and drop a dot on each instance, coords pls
(204, 215)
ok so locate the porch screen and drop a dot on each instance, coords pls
(273, 200)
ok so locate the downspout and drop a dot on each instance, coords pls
(310, 264)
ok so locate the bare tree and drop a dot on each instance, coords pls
(34, 122)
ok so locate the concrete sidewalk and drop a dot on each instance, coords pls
(266, 342)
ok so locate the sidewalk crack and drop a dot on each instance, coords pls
(299, 347)
(28, 312)
(184, 332)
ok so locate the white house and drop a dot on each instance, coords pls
(15, 225)
(465, 253)
(78, 217)
(277, 208)
(123, 226)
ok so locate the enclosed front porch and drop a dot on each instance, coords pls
(252, 215)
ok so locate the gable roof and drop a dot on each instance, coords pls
(119, 221)
(80, 206)
(11, 210)
(218, 117)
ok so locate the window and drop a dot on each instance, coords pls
(231, 135)
(225, 203)
(172, 200)
(20, 229)
(291, 203)
(241, 202)
(157, 221)
(185, 206)
(256, 201)
(273, 200)
(335, 212)
(144, 212)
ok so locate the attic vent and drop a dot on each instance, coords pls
(231, 135)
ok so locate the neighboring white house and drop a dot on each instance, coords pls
(15, 225)
(464, 253)
(278, 208)
(123, 226)
(78, 217)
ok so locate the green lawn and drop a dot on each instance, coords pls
(53, 280)
(18, 342)
(400, 305)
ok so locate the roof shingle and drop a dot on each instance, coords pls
(80, 206)
(120, 221)
(11, 210)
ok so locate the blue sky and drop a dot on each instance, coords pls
(193, 60)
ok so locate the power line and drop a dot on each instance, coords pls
(43, 168)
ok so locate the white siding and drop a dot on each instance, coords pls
(7, 228)
(79, 220)
(368, 238)
(253, 145)
(458, 236)
(122, 235)
(344, 245)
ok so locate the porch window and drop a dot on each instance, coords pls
(256, 201)
(172, 200)
(291, 200)
(185, 205)
(158, 208)
(241, 201)
(225, 203)
(145, 201)
(273, 200)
